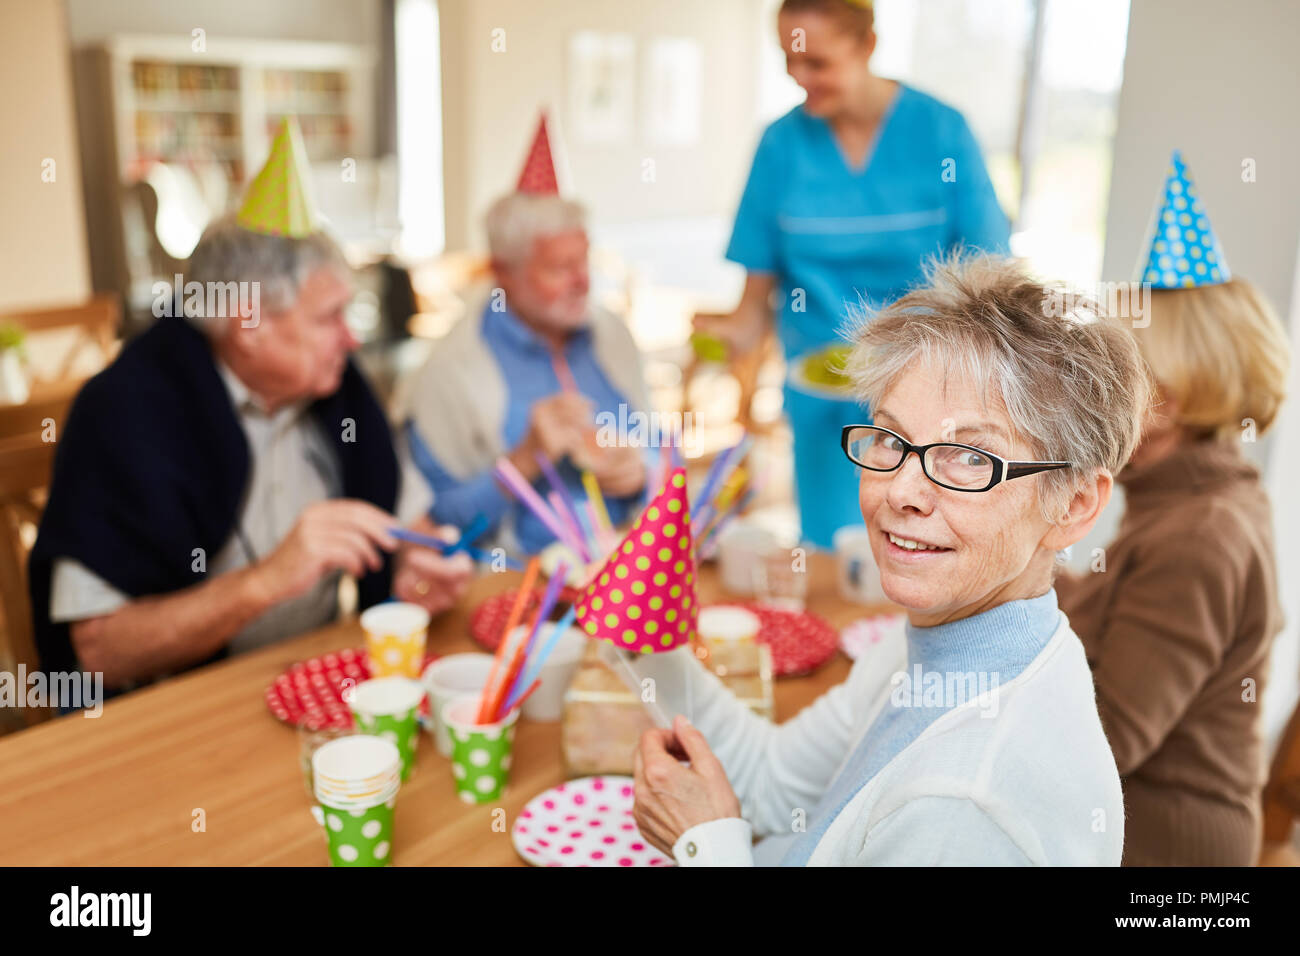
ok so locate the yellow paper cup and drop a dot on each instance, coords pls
(395, 636)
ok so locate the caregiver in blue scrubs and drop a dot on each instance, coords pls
(848, 195)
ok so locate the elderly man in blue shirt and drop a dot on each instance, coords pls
(529, 372)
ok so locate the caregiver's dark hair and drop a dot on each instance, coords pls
(855, 17)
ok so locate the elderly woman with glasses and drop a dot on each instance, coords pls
(999, 423)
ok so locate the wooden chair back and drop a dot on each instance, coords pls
(1282, 793)
(95, 323)
(26, 463)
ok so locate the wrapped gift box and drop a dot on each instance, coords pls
(604, 721)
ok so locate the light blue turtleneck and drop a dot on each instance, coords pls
(946, 665)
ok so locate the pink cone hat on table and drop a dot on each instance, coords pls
(643, 599)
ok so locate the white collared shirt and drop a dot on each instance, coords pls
(292, 465)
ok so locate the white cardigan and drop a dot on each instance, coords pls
(1030, 783)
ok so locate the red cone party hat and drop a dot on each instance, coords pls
(538, 175)
(643, 599)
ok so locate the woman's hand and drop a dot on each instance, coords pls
(672, 798)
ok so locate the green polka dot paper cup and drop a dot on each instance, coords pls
(480, 753)
(356, 784)
(388, 707)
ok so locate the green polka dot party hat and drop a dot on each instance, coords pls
(643, 599)
(1182, 251)
(279, 201)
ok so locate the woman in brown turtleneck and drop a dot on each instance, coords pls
(1178, 621)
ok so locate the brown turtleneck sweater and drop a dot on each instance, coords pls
(1177, 630)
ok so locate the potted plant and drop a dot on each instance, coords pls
(14, 387)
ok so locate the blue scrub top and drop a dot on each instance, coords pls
(845, 236)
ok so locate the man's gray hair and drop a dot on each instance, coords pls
(517, 220)
(227, 253)
(1073, 383)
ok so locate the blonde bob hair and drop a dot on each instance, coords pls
(1073, 387)
(1220, 352)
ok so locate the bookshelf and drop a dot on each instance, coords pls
(144, 100)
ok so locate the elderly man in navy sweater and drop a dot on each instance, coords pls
(213, 484)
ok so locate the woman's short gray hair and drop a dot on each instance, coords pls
(227, 252)
(516, 220)
(1073, 384)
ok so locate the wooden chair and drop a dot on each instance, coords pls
(28, 436)
(1282, 797)
(25, 465)
(94, 323)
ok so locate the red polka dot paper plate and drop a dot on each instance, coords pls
(584, 822)
(801, 641)
(313, 689)
(489, 618)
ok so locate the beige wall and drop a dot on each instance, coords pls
(42, 224)
(491, 99)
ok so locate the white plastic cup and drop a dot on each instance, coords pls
(547, 702)
(741, 546)
(450, 678)
(731, 635)
(856, 571)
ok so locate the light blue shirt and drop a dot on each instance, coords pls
(833, 235)
(963, 658)
(529, 373)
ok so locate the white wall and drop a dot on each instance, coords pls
(43, 229)
(1220, 82)
(338, 21)
(491, 101)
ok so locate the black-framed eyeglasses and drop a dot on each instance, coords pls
(948, 464)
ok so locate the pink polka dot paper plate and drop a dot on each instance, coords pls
(313, 689)
(584, 822)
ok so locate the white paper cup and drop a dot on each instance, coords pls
(356, 772)
(547, 702)
(450, 678)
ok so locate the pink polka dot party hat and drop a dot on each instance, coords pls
(643, 598)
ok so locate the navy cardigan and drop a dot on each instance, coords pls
(152, 464)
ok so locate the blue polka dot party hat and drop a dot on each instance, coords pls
(643, 599)
(1184, 251)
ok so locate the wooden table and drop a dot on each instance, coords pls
(123, 789)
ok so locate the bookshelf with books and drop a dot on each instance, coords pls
(211, 112)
